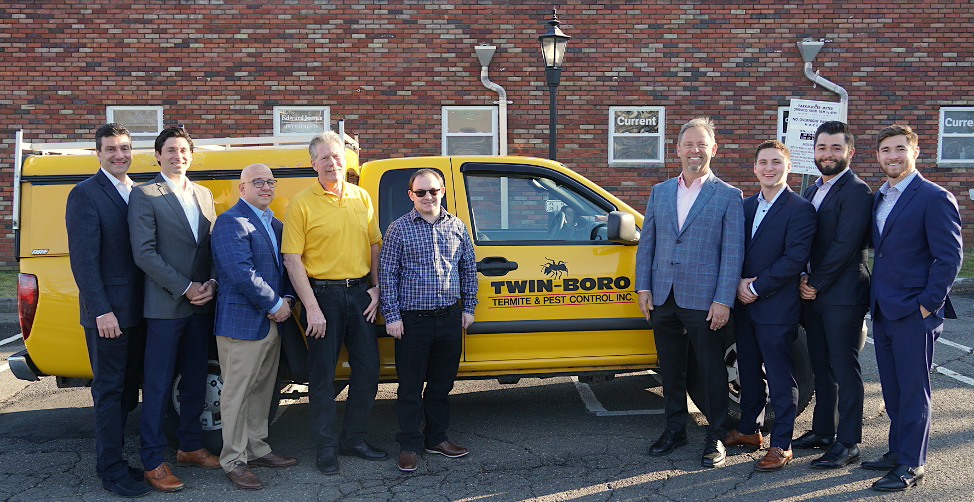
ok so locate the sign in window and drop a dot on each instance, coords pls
(636, 134)
(956, 143)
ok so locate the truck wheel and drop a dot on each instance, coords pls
(803, 376)
(210, 418)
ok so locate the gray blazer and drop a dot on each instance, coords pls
(700, 263)
(164, 248)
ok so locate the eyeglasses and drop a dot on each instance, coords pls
(422, 193)
(259, 183)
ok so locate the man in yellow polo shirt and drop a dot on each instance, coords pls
(331, 251)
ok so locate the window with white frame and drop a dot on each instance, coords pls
(469, 130)
(139, 120)
(301, 120)
(956, 142)
(636, 134)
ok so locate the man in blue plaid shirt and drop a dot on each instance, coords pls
(428, 285)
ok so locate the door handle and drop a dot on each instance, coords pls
(493, 266)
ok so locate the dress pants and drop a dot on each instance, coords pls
(904, 356)
(834, 340)
(249, 371)
(429, 350)
(344, 324)
(768, 345)
(117, 367)
(677, 331)
(174, 345)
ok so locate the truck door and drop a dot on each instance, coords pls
(553, 291)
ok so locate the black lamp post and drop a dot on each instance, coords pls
(553, 44)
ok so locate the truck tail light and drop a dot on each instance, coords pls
(26, 301)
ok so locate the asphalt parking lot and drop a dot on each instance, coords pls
(539, 440)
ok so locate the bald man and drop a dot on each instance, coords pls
(255, 296)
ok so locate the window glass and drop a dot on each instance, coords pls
(636, 134)
(139, 120)
(469, 130)
(956, 135)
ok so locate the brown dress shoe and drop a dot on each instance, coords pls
(244, 478)
(735, 438)
(161, 478)
(407, 461)
(449, 449)
(273, 460)
(200, 457)
(774, 460)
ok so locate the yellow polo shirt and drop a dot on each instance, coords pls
(333, 235)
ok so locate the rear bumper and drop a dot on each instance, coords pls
(22, 367)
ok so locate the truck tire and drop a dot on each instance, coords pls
(803, 376)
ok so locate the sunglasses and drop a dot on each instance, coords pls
(422, 193)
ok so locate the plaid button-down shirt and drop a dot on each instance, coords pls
(424, 266)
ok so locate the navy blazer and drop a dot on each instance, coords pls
(919, 253)
(777, 255)
(839, 270)
(101, 255)
(251, 275)
(701, 262)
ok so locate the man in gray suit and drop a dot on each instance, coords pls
(687, 268)
(170, 219)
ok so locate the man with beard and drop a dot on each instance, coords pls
(687, 269)
(836, 290)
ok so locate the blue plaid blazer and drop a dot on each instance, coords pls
(701, 263)
(251, 279)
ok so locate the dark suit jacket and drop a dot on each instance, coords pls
(101, 256)
(776, 255)
(839, 252)
(252, 276)
(919, 253)
(164, 247)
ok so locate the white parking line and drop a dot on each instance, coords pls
(944, 371)
(595, 407)
(5, 367)
(11, 339)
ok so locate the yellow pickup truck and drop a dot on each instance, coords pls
(555, 259)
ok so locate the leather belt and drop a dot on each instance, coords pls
(432, 313)
(344, 283)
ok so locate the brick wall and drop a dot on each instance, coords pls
(388, 66)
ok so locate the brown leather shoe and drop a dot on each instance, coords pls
(200, 457)
(735, 438)
(407, 461)
(774, 460)
(449, 449)
(244, 478)
(161, 478)
(273, 460)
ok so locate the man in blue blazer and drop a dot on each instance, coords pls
(779, 226)
(687, 268)
(836, 290)
(917, 254)
(110, 297)
(255, 296)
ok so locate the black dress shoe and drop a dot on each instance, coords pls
(837, 456)
(884, 463)
(811, 440)
(668, 442)
(713, 454)
(327, 462)
(364, 450)
(900, 478)
(126, 487)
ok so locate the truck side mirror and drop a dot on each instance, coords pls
(622, 228)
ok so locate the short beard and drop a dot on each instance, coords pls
(840, 165)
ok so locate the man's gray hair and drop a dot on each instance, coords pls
(702, 122)
(325, 137)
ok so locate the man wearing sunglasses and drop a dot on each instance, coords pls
(428, 281)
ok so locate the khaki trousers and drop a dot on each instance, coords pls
(249, 369)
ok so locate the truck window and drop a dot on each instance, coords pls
(393, 200)
(531, 208)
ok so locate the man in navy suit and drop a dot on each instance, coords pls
(687, 267)
(836, 290)
(110, 297)
(779, 228)
(255, 296)
(917, 254)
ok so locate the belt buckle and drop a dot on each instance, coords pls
(348, 283)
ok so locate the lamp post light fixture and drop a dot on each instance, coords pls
(553, 44)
